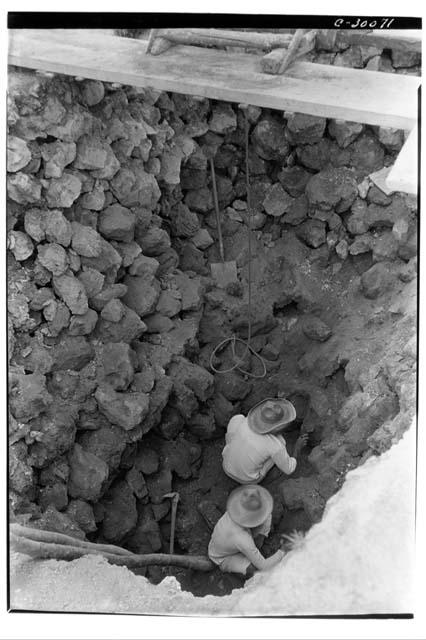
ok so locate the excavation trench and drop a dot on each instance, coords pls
(114, 315)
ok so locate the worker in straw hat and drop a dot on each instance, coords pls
(254, 444)
(247, 518)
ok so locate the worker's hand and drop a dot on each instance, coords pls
(300, 443)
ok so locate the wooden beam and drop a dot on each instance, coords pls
(403, 175)
(388, 100)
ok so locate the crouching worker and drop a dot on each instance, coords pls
(255, 444)
(248, 517)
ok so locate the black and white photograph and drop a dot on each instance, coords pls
(212, 314)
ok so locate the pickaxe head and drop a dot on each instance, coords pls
(174, 495)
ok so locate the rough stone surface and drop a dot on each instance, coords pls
(126, 410)
(72, 292)
(117, 223)
(332, 189)
(376, 280)
(18, 154)
(316, 329)
(142, 294)
(63, 191)
(86, 241)
(344, 132)
(277, 201)
(305, 129)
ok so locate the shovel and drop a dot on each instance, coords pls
(223, 273)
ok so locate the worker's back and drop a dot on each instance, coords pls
(247, 455)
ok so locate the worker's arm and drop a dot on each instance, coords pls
(233, 424)
(284, 462)
(249, 549)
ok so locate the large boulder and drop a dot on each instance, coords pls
(117, 223)
(116, 365)
(305, 129)
(54, 435)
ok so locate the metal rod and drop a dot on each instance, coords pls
(216, 207)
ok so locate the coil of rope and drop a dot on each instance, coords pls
(233, 340)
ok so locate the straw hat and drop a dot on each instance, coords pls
(249, 505)
(270, 415)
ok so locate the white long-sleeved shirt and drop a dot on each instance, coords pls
(229, 538)
(248, 456)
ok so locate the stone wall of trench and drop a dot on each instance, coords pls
(113, 315)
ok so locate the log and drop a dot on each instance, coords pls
(40, 535)
(46, 550)
(225, 38)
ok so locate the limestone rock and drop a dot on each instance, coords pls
(28, 395)
(344, 131)
(135, 188)
(55, 495)
(117, 223)
(107, 442)
(113, 311)
(136, 482)
(73, 352)
(53, 257)
(21, 474)
(82, 513)
(92, 280)
(297, 212)
(322, 154)
(92, 92)
(154, 241)
(362, 244)
(56, 431)
(312, 232)
(232, 386)
(332, 189)
(169, 303)
(63, 191)
(20, 245)
(54, 520)
(86, 241)
(184, 222)
(200, 200)
(223, 119)
(269, 139)
(23, 188)
(57, 155)
(316, 329)
(376, 196)
(72, 292)
(129, 328)
(116, 365)
(376, 280)
(385, 247)
(108, 261)
(402, 58)
(142, 294)
(58, 316)
(94, 200)
(108, 293)
(277, 201)
(18, 154)
(88, 474)
(84, 324)
(294, 180)
(126, 410)
(305, 129)
(147, 461)
(157, 323)
(91, 153)
(392, 139)
(367, 154)
(202, 239)
(144, 265)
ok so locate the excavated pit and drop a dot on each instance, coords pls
(113, 315)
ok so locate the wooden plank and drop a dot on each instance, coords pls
(403, 175)
(387, 100)
(403, 39)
